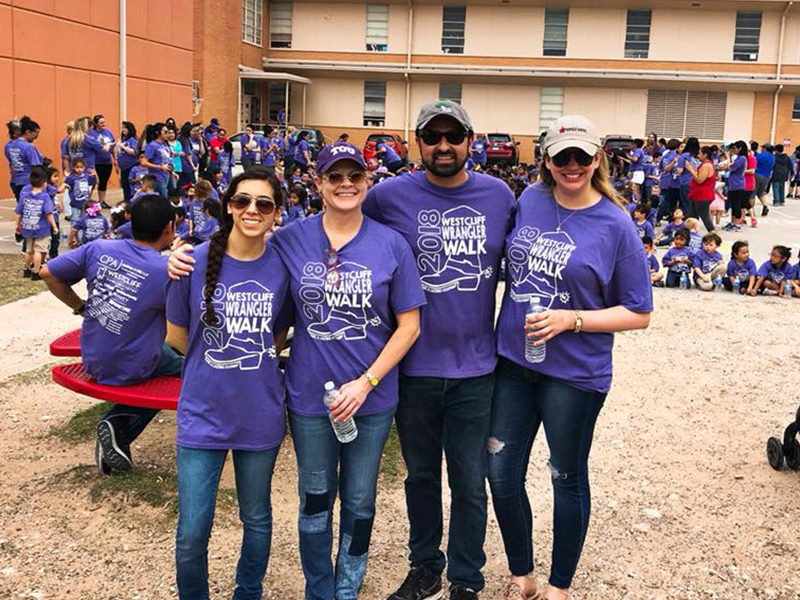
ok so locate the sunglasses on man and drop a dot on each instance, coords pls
(431, 137)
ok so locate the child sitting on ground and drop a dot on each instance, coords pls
(695, 239)
(211, 210)
(708, 263)
(675, 225)
(90, 227)
(35, 221)
(772, 273)
(643, 226)
(656, 276)
(678, 259)
(146, 187)
(742, 270)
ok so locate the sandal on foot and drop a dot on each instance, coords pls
(514, 592)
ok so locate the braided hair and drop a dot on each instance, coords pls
(219, 241)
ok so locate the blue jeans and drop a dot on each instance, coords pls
(325, 466)
(198, 480)
(125, 184)
(686, 203)
(778, 193)
(524, 400)
(130, 421)
(162, 186)
(450, 415)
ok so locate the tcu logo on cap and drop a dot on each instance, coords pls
(339, 149)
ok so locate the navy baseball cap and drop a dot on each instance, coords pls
(330, 155)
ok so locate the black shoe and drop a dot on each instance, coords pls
(764, 211)
(35, 277)
(421, 584)
(102, 465)
(114, 455)
(658, 284)
(26, 273)
(462, 592)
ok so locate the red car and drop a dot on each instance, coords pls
(392, 139)
(501, 147)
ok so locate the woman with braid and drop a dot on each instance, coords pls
(223, 318)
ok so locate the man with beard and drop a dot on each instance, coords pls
(456, 222)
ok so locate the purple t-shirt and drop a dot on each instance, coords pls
(159, 154)
(21, 156)
(596, 260)
(775, 274)
(135, 177)
(695, 241)
(34, 208)
(267, 156)
(225, 161)
(125, 231)
(666, 176)
(672, 254)
(80, 189)
(209, 228)
(652, 262)
(645, 229)
(197, 215)
(232, 395)
(685, 177)
(736, 174)
(344, 315)
(706, 262)
(299, 157)
(64, 147)
(637, 160)
(457, 236)
(104, 138)
(128, 161)
(125, 323)
(91, 228)
(744, 271)
(88, 151)
(671, 228)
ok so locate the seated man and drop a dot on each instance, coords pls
(124, 322)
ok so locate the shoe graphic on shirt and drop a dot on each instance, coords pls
(533, 287)
(341, 323)
(243, 353)
(463, 273)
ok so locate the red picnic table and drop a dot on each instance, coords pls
(68, 344)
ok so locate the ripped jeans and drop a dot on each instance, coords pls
(325, 466)
(523, 400)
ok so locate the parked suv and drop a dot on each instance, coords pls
(501, 147)
(614, 144)
(392, 139)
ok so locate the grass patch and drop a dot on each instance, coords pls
(392, 465)
(40, 375)
(82, 426)
(12, 285)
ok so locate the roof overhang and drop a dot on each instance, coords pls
(250, 74)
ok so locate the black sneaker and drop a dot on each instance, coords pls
(26, 273)
(114, 455)
(102, 466)
(421, 584)
(764, 211)
(462, 592)
(35, 277)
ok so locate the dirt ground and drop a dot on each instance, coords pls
(685, 505)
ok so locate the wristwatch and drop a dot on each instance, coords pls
(578, 322)
(373, 381)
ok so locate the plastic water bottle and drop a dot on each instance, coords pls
(684, 281)
(737, 284)
(787, 290)
(346, 431)
(534, 354)
(718, 283)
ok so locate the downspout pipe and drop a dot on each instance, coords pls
(123, 60)
(406, 75)
(778, 74)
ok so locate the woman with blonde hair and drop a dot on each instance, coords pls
(577, 274)
(82, 145)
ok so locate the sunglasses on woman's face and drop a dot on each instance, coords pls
(432, 137)
(337, 178)
(264, 204)
(563, 158)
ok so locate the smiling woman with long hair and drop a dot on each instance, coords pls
(575, 256)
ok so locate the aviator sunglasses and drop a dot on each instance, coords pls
(264, 204)
(432, 138)
(337, 178)
(563, 158)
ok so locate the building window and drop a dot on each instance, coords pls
(748, 33)
(551, 106)
(556, 21)
(280, 25)
(681, 113)
(377, 27)
(453, 18)
(450, 91)
(637, 34)
(277, 99)
(252, 19)
(796, 108)
(374, 103)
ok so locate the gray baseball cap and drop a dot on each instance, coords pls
(443, 108)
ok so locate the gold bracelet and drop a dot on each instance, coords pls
(578, 322)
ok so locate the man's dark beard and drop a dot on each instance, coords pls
(444, 171)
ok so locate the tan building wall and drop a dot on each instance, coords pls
(613, 111)
(398, 28)
(596, 33)
(519, 113)
(326, 26)
(674, 36)
(739, 116)
(427, 35)
(512, 31)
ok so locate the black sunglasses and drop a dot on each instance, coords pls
(432, 137)
(337, 178)
(264, 205)
(563, 158)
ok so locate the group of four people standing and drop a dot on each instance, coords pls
(406, 274)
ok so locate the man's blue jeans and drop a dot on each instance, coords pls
(524, 400)
(324, 467)
(450, 415)
(130, 421)
(778, 193)
(198, 480)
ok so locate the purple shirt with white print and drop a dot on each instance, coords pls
(104, 137)
(594, 260)
(232, 394)
(774, 273)
(91, 228)
(706, 262)
(21, 156)
(457, 237)
(675, 252)
(344, 308)
(159, 154)
(744, 271)
(34, 208)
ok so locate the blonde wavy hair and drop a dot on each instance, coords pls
(601, 180)
(80, 128)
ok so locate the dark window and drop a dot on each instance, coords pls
(637, 34)
(374, 103)
(453, 18)
(796, 108)
(748, 33)
(450, 91)
(556, 21)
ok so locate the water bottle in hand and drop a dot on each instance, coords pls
(787, 290)
(346, 431)
(534, 354)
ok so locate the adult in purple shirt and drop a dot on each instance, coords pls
(22, 154)
(124, 319)
(158, 157)
(126, 152)
(737, 194)
(105, 160)
(666, 165)
(389, 156)
(573, 249)
(64, 149)
(691, 148)
(302, 153)
(637, 168)
(455, 222)
(85, 146)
